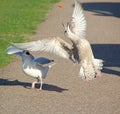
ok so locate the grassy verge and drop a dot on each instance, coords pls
(18, 19)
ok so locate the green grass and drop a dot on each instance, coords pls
(18, 19)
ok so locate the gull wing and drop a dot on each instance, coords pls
(78, 22)
(55, 45)
(43, 60)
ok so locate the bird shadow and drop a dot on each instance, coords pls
(103, 8)
(47, 87)
(110, 53)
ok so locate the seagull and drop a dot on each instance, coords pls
(33, 67)
(78, 51)
(75, 30)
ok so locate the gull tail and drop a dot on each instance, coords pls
(98, 64)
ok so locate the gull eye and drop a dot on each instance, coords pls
(27, 53)
(65, 31)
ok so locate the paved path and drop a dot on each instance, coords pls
(64, 92)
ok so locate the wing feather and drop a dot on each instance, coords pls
(54, 45)
(43, 60)
(78, 22)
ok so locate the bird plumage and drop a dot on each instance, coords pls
(76, 28)
(32, 66)
(53, 45)
(89, 66)
(78, 22)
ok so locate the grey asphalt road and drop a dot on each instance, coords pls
(63, 91)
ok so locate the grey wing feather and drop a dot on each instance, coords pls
(54, 45)
(43, 60)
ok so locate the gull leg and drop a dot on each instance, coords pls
(98, 74)
(33, 84)
(41, 84)
(87, 79)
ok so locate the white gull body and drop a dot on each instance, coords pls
(33, 67)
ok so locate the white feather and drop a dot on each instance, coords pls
(89, 66)
(78, 22)
(98, 64)
(54, 45)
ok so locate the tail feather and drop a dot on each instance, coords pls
(98, 64)
(81, 73)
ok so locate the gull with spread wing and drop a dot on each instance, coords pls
(90, 67)
(79, 51)
(34, 67)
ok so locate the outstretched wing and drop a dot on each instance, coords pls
(78, 22)
(54, 45)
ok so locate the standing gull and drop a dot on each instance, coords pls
(34, 67)
(79, 51)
